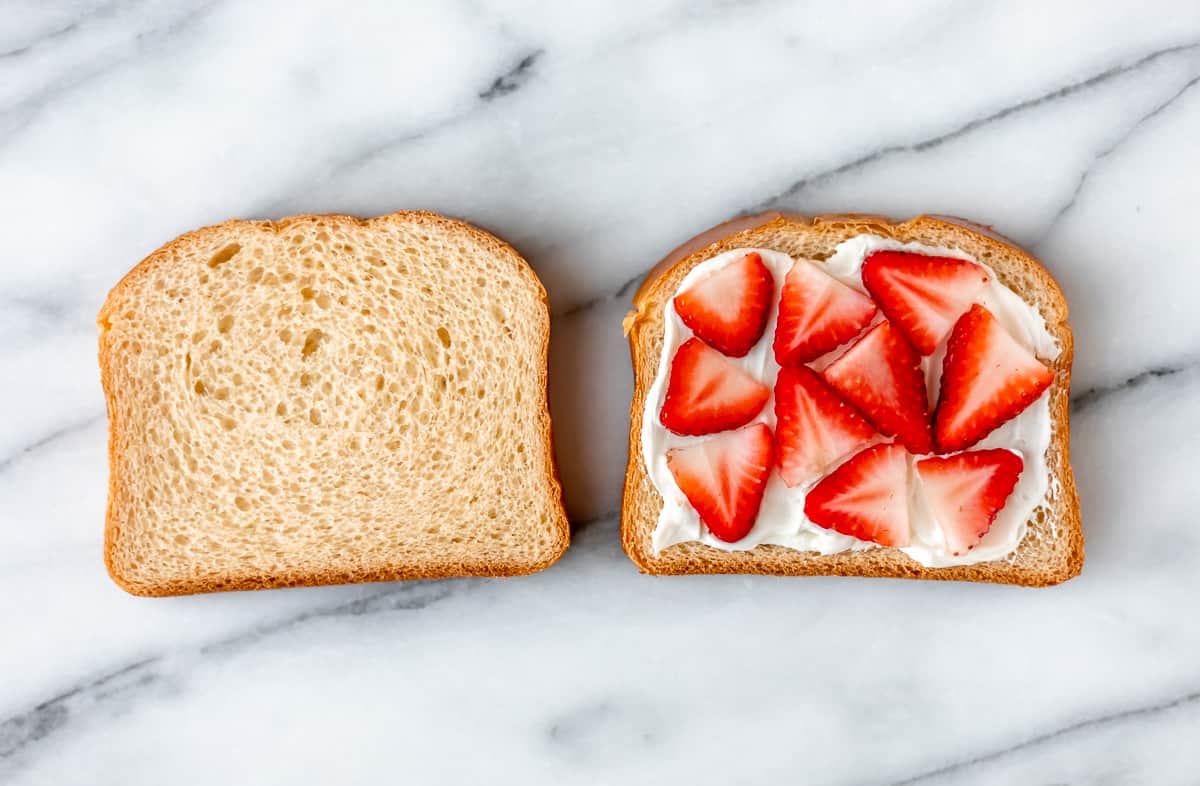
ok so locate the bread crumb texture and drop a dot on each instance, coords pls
(322, 400)
(1052, 549)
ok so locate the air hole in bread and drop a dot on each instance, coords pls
(225, 323)
(379, 382)
(241, 502)
(199, 387)
(306, 379)
(224, 255)
(281, 409)
(444, 337)
(311, 341)
(285, 336)
(222, 394)
(229, 424)
(307, 293)
(314, 417)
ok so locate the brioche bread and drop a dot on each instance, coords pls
(1052, 548)
(322, 400)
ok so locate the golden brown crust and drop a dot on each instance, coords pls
(642, 502)
(111, 386)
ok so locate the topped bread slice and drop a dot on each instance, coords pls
(323, 400)
(1048, 545)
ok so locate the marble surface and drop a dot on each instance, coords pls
(595, 136)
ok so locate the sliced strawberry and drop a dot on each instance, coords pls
(922, 295)
(816, 314)
(882, 376)
(724, 478)
(866, 498)
(707, 393)
(815, 427)
(966, 491)
(728, 308)
(987, 378)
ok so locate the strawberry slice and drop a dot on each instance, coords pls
(707, 393)
(724, 478)
(987, 379)
(966, 491)
(815, 427)
(728, 308)
(922, 295)
(866, 498)
(816, 314)
(882, 376)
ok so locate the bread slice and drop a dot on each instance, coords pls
(1052, 549)
(322, 400)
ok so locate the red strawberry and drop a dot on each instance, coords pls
(966, 491)
(882, 376)
(866, 498)
(816, 314)
(987, 378)
(724, 478)
(815, 427)
(921, 295)
(728, 309)
(707, 393)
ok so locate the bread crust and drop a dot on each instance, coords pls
(642, 502)
(112, 385)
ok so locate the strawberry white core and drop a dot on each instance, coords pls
(781, 520)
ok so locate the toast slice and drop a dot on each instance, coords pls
(1052, 549)
(324, 400)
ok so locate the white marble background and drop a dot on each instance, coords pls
(595, 136)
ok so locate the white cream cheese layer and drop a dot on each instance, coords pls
(781, 520)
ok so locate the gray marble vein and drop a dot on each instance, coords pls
(42, 38)
(1109, 151)
(31, 448)
(53, 715)
(783, 198)
(1063, 736)
(511, 80)
(1086, 399)
(19, 114)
